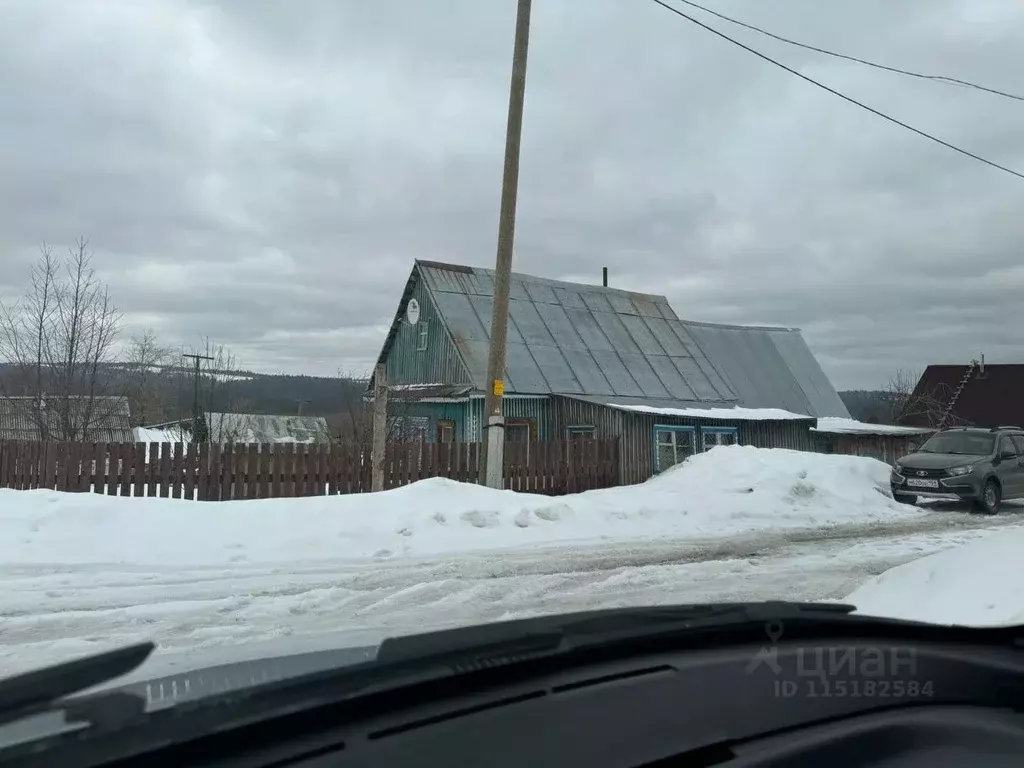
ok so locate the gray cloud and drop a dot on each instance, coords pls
(264, 173)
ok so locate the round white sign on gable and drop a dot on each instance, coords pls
(412, 312)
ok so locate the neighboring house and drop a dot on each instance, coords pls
(884, 442)
(262, 428)
(975, 394)
(586, 360)
(83, 419)
(242, 428)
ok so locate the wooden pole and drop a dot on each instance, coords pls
(380, 427)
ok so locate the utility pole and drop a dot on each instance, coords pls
(195, 393)
(380, 421)
(494, 427)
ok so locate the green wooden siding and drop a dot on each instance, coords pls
(439, 363)
(468, 415)
(536, 408)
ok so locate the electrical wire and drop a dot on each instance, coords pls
(876, 65)
(843, 96)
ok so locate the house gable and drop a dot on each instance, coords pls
(423, 352)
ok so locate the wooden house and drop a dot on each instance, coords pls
(587, 360)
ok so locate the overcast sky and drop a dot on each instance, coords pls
(264, 172)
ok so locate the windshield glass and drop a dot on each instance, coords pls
(967, 443)
(278, 375)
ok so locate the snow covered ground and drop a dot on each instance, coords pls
(79, 573)
(977, 584)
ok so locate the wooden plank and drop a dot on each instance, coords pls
(72, 471)
(263, 472)
(227, 471)
(213, 482)
(124, 474)
(250, 488)
(277, 473)
(60, 466)
(165, 470)
(472, 456)
(322, 454)
(177, 469)
(288, 487)
(301, 457)
(443, 460)
(112, 469)
(152, 469)
(188, 480)
(203, 473)
(429, 465)
(97, 468)
(137, 469)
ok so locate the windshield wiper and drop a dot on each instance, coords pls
(43, 690)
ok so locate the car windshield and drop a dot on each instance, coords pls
(284, 369)
(966, 443)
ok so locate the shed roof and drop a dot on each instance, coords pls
(589, 340)
(96, 419)
(263, 428)
(989, 399)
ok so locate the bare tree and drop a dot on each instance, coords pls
(899, 393)
(927, 407)
(352, 423)
(144, 362)
(58, 340)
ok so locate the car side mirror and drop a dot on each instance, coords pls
(1007, 455)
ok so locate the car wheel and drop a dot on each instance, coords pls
(991, 498)
(903, 498)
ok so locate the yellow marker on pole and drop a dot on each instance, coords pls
(499, 388)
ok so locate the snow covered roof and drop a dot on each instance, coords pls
(263, 428)
(575, 339)
(837, 426)
(726, 414)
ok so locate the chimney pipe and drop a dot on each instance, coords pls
(604, 276)
(981, 368)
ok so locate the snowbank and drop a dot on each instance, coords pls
(979, 583)
(727, 490)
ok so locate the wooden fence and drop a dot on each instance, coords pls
(208, 472)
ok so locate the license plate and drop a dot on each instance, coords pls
(914, 482)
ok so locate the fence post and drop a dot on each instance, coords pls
(380, 418)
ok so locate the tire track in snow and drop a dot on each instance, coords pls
(54, 612)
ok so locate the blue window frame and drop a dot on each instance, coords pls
(712, 436)
(673, 444)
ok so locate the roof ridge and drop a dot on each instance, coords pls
(741, 327)
(550, 281)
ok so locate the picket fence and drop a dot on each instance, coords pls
(208, 472)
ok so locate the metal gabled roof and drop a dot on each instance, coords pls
(568, 338)
(769, 367)
(588, 340)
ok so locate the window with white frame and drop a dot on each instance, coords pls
(579, 431)
(672, 445)
(421, 344)
(713, 436)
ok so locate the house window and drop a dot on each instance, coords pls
(672, 445)
(445, 431)
(713, 436)
(580, 431)
(421, 345)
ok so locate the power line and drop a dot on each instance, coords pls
(843, 96)
(876, 65)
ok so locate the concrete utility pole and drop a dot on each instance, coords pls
(380, 424)
(494, 441)
(195, 393)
